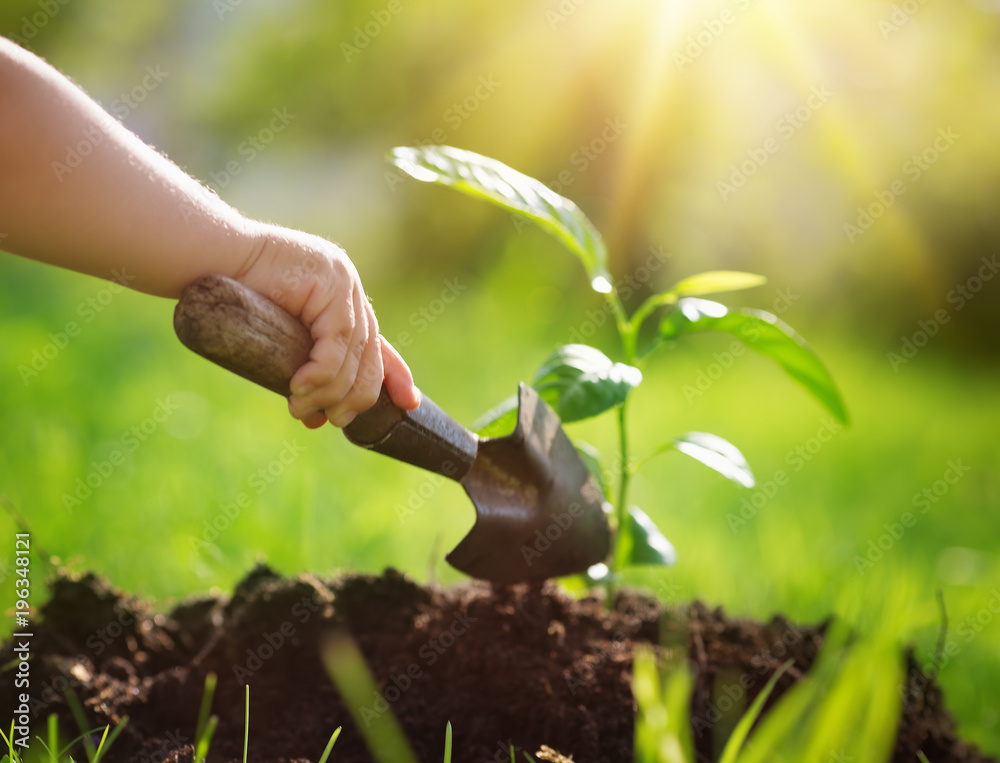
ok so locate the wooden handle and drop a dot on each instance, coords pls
(242, 331)
(246, 333)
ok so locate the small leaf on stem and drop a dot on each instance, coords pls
(499, 420)
(591, 458)
(715, 281)
(649, 545)
(580, 382)
(765, 333)
(716, 453)
(494, 181)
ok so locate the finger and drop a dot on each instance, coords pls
(332, 331)
(330, 396)
(398, 379)
(367, 383)
(322, 389)
(311, 417)
(315, 420)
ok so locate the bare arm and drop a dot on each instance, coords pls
(125, 206)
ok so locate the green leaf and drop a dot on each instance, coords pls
(765, 333)
(489, 179)
(580, 382)
(591, 458)
(702, 283)
(499, 420)
(649, 545)
(716, 453)
(715, 281)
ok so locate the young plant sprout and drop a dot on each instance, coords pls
(580, 381)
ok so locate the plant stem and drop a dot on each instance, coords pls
(646, 309)
(627, 335)
(622, 322)
(622, 548)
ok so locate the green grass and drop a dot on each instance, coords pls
(55, 753)
(334, 506)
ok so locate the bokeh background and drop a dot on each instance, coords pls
(846, 151)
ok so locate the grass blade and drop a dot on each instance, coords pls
(53, 745)
(206, 706)
(663, 720)
(105, 746)
(349, 672)
(81, 720)
(246, 727)
(10, 745)
(330, 744)
(100, 746)
(447, 743)
(742, 730)
(205, 740)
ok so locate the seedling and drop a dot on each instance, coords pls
(580, 381)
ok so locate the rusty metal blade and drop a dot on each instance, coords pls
(539, 512)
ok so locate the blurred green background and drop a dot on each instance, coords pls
(848, 152)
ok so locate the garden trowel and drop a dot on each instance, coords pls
(539, 512)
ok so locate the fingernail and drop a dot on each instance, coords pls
(302, 390)
(345, 418)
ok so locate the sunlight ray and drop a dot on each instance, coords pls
(845, 153)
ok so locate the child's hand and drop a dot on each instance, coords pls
(315, 281)
(126, 207)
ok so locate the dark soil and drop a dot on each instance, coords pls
(522, 666)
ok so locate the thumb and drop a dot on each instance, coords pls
(398, 379)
